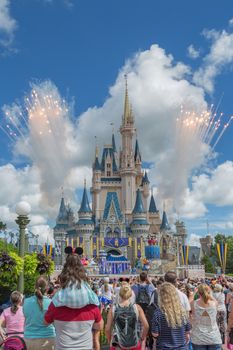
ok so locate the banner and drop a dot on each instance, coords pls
(116, 242)
(222, 254)
(185, 254)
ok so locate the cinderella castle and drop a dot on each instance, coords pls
(124, 225)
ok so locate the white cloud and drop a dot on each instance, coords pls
(194, 240)
(62, 152)
(214, 188)
(231, 22)
(8, 24)
(192, 52)
(220, 55)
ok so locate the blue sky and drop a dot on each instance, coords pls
(83, 48)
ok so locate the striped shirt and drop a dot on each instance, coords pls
(73, 326)
(169, 338)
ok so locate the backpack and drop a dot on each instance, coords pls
(125, 333)
(14, 342)
(149, 313)
(143, 297)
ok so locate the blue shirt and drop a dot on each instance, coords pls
(34, 319)
(169, 338)
(149, 287)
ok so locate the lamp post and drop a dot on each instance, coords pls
(22, 210)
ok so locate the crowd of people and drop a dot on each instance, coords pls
(137, 312)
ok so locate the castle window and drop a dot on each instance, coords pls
(108, 165)
(108, 173)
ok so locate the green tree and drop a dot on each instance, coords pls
(206, 261)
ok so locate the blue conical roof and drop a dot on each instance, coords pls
(137, 153)
(152, 207)
(138, 208)
(145, 179)
(96, 165)
(62, 210)
(165, 225)
(113, 143)
(85, 207)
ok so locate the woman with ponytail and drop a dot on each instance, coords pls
(37, 335)
(123, 321)
(205, 332)
(12, 318)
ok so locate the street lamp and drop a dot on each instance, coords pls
(22, 210)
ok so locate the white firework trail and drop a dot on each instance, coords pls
(40, 129)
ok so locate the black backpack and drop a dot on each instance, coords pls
(149, 313)
(125, 333)
(143, 297)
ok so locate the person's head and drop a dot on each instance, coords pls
(125, 291)
(73, 272)
(159, 283)
(143, 277)
(16, 299)
(170, 305)
(217, 288)
(171, 277)
(204, 292)
(41, 287)
(230, 286)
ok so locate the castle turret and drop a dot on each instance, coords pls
(59, 231)
(138, 164)
(164, 225)
(139, 224)
(154, 217)
(127, 164)
(145, 189)
(96, 185)
(85, 223)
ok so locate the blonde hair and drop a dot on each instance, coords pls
(125, 291)
(170, 305)
(204, 292)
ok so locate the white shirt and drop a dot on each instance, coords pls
(184, 300)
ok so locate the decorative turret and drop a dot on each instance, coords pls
(85, 207)
(145, 180)
(139, 208)
(145, 189)
(60, 232)
(152, 207)
(137, 154)
(139, 224)
(114, 144)
(165, 225)
(62, 215)
(85, 223)
(154, 217)
(96, 164)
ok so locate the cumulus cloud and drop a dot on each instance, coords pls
(8, 24)
(220, 55)
(194, 240)
(61, 151)
(192, 52)
(215, 187)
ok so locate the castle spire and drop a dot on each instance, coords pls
(137, 154)
(113, 143)
(127, 105)
(85, 207)
(165, 225)
(138, 208)
(152, 207)
(62, 215)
